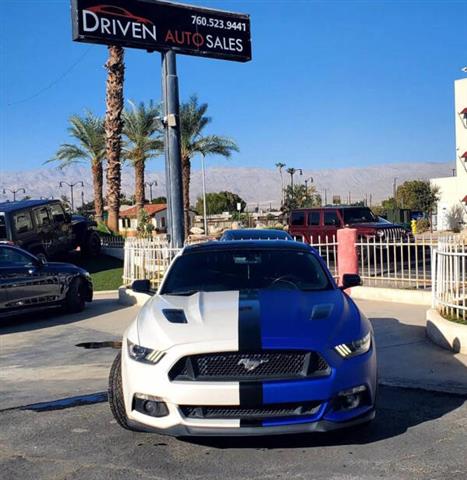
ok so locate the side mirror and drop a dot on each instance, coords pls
(142, 286)
(350, 280)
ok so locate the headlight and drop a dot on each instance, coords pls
(143, 354)
(380, 233)
(358, 347)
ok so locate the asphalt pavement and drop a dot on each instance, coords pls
(55, 422)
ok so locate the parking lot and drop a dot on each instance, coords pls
(55, 422)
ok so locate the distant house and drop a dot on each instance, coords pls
(128, 221)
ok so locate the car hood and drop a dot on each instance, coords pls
(64, 267)
(274, 319)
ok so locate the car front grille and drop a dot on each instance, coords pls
(249, 366)
(256, 413)
(394, 234)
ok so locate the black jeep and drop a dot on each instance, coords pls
(46, 229)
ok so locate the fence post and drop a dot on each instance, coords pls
(347, 258)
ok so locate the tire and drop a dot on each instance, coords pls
(74, 301)
(115, 394)
(92, 245)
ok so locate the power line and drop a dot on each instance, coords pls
(54, 82)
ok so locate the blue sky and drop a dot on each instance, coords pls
(331, 84)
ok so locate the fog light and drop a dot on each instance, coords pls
(351, 398)
(151, 406)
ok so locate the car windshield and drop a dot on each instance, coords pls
(359, 215)
(216, 271)
(2, 227)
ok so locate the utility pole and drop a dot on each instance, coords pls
(205, 212)
(150, 185)
(14, 192)
(325, 196)
(394, 190)
(72, 186)
(306, 183)
(173, 158)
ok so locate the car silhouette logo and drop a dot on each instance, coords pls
(118, 12)
(251, 364)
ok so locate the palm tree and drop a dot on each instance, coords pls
(142, 130)
(193, 120)
(113, 129)
(280, 166)
(88, 131)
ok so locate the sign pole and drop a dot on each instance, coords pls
(173, 159)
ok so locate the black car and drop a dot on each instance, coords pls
(46, 229)
(28, 283)
(255, 234)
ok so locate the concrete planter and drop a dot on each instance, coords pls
(446, 334)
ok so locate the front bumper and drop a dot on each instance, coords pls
(153, 381)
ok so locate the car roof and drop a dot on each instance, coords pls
(247, 245)
(330, 207)
(21, 204)
(256, 233)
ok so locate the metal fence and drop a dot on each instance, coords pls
(393, 264)
(146, 258)
(396, 263)
(112, 241)
(450, 277)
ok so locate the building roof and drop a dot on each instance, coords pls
(464, 112)
(464, 200)
(464, 155)
(151, 209)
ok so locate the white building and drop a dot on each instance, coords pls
(128, 222)
(453, 190)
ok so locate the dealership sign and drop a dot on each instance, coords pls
(154, 25)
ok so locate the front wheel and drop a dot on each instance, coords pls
(92, 244)
(115, 393)
(75, 301)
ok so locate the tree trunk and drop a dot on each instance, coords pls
(113, 129)
(97, 182)
(139, 185)
(186, 174)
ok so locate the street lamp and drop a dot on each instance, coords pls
(72, 186)
(292, 172)
(14, 192)
(150, 185)
(394, 189)
(306, 183)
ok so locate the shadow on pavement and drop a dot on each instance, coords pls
(397, 411)
(52, 318)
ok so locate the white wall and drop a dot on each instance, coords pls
(454, 189)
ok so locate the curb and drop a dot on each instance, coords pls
(413, 297)
(105, 292)
(449, 335)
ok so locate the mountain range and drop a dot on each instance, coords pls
(255, 185)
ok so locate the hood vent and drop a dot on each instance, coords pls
(320, 312)
(174, 315)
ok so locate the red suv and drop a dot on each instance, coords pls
(310, 223)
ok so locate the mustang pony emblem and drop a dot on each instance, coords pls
(251, 364)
